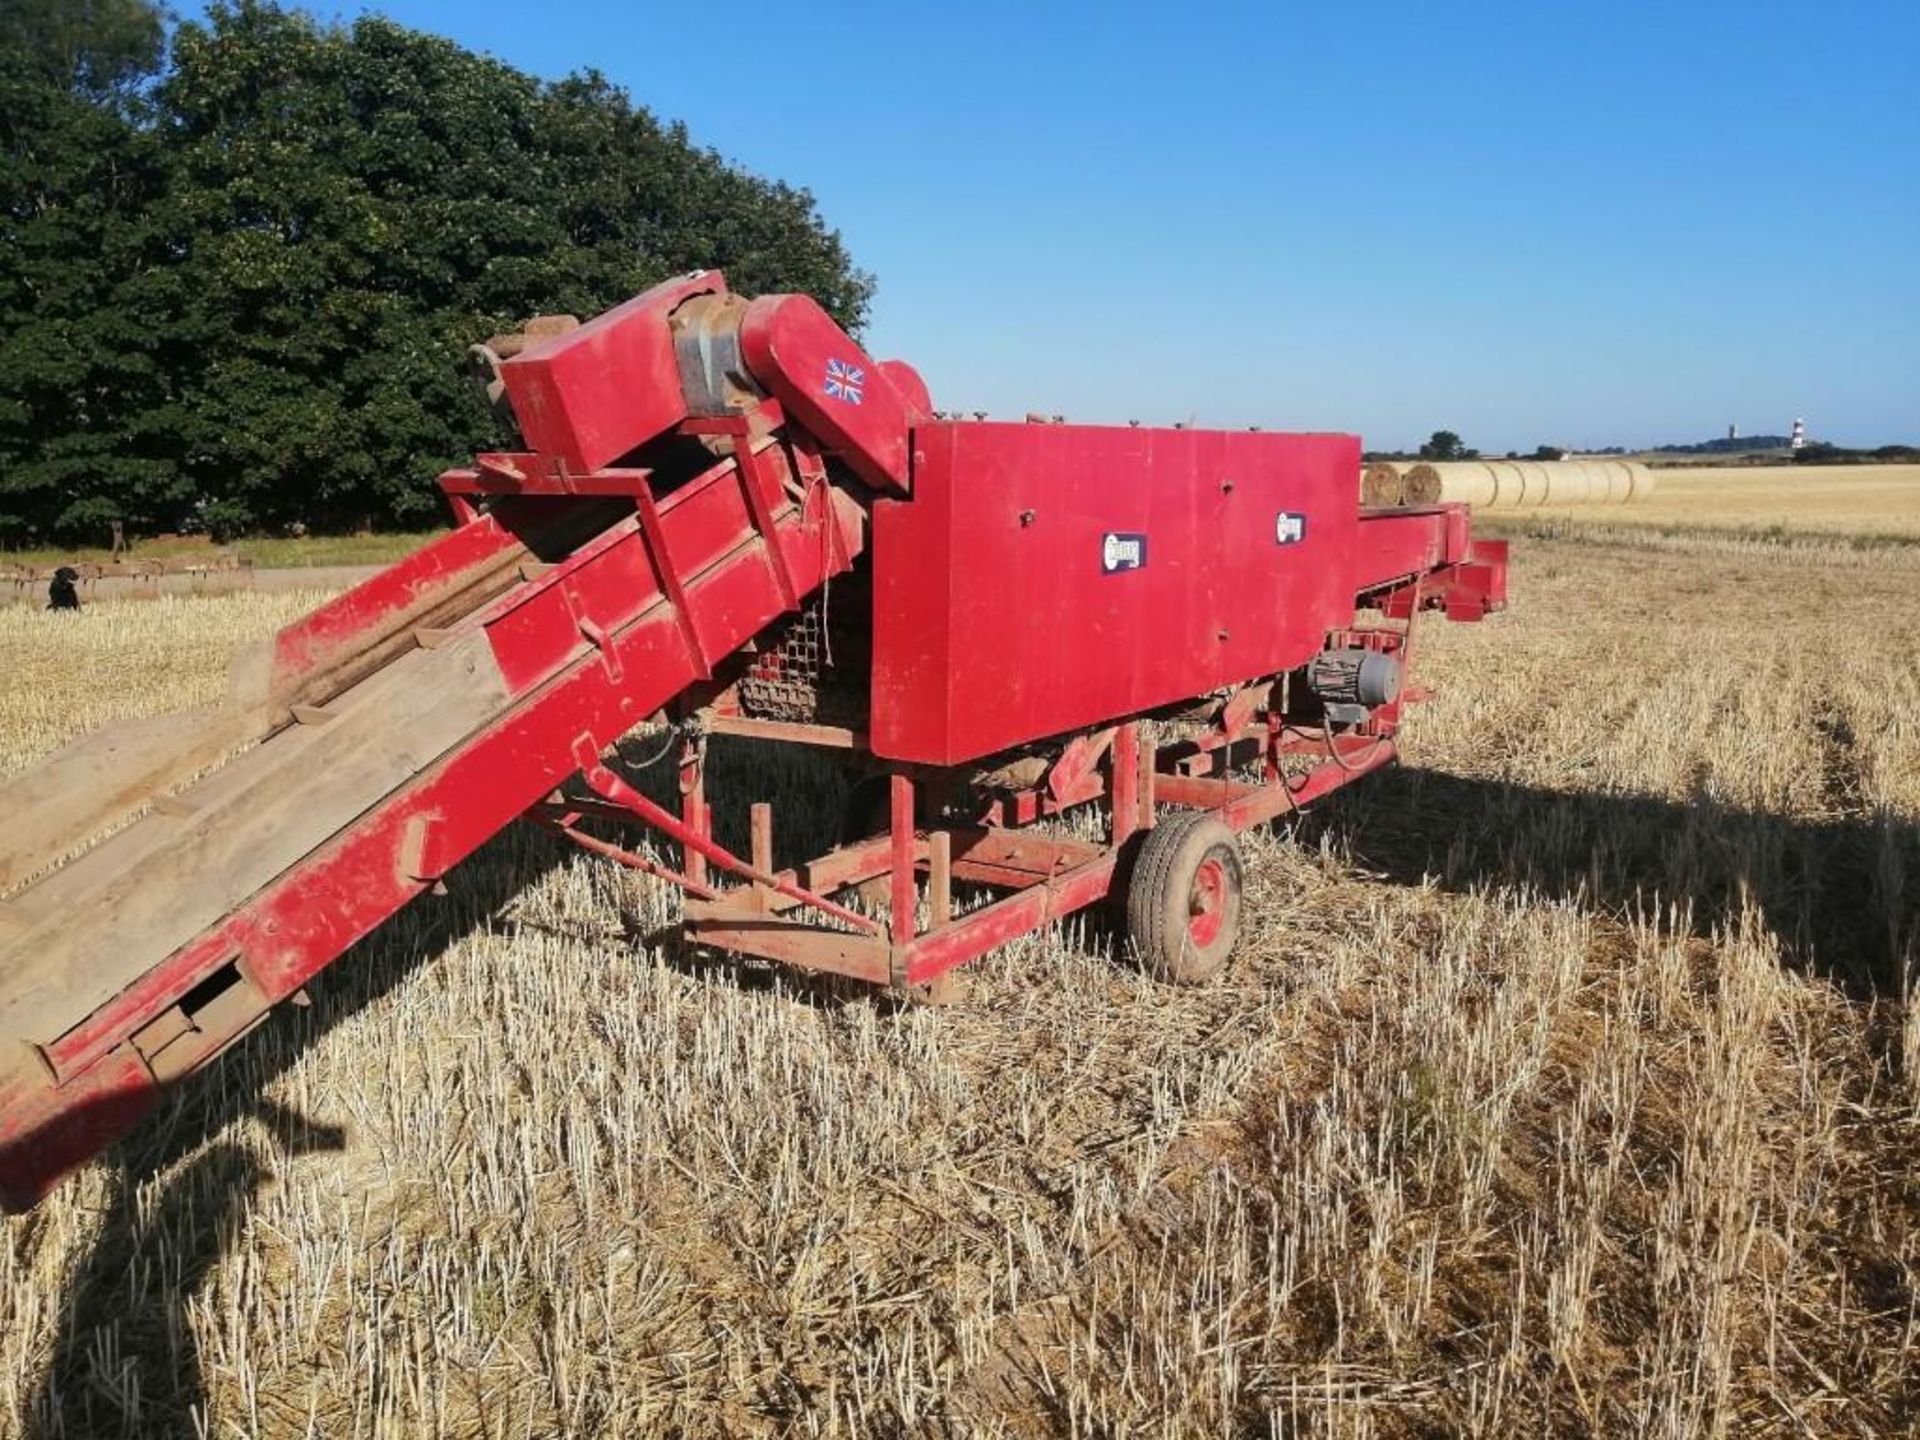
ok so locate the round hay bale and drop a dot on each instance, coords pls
(1536, 479)
(1470, 482)
(1381, 486)
(1510, 486)
(1569, 483)
(1422, 482)
(1643, 482)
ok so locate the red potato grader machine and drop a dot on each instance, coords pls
(729, 519)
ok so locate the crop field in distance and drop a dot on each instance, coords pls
(1863, 506)
(1566, 1082)
(273, 552)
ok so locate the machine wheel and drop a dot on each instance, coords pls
(1183, 902)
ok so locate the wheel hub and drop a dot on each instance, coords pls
(1206, 903)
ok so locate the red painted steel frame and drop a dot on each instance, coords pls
(589, 396)
(589, 603)
(1050, 877)
(1412, 562)
(835, 390)
(1092, 879)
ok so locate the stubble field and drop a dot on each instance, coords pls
(1565, 1083)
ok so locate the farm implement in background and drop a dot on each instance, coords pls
(211, 574)
(728, 518)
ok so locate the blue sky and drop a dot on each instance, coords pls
(1578, 223)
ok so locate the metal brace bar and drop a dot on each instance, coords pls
(752, 467)
(560, 824)
(609, 786)
(671, 585)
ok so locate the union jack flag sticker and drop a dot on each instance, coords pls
(844, 381)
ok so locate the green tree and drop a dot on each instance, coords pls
(78, 387)
(95, 48)
(1444, 445)
(245, 299)
(358, 205)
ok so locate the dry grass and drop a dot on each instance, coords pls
(1564, 1084)
(267, 552)
(68, 673)
(1864, 506)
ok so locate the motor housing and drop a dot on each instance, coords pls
(1351, 682)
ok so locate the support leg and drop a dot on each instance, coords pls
(1149, 759)
(940, 877)
(693, 802)
(1123, 800)
(760, 821)
(905, 889)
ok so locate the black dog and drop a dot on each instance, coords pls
(60, 594)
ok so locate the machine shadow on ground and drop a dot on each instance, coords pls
(1832, 890)
(124, 1361)
(141, 1374)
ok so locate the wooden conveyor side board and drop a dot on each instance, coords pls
(585, 652)
(252, 819)
(103, 777)
(348, 638)
(106, 775)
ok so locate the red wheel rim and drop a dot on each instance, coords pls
(1207, 903)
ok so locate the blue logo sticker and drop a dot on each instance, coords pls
(844, 381)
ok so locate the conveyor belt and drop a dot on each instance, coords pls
(398, 728)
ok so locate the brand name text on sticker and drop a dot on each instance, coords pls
(1120, 550)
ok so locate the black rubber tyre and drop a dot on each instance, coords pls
(1183, 900)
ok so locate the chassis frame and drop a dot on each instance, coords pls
(1254, 758)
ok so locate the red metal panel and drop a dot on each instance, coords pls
(1467, 591)
(591, 395)
(831, 386)
(911, 387)
(536, 629)
(1394, 545)
(1485, 571)
(509, 474)
(1049, 577)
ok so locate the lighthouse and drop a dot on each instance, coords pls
(1798, 439)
